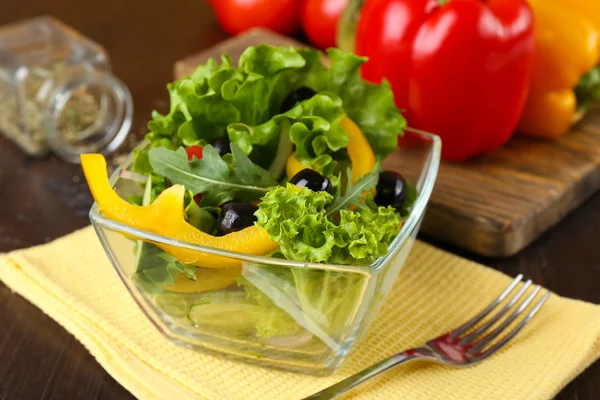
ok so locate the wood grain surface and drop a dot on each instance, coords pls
(43, 199)
(497, 204)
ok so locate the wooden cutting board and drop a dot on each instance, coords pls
(499, 203)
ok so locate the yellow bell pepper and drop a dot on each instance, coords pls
(567, 46)
(360, 153)
(206, 280)
(165, 216)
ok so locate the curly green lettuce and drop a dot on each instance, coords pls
(270, 320)
(297, 220)
(244, 102)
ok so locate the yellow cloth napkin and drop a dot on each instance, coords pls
(73, 282)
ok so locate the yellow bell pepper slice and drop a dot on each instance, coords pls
(567, 46)
(359, 150)
(293, 166)
(360, 153)
(165, 216)
(206, 280)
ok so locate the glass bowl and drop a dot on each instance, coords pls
(274, 312)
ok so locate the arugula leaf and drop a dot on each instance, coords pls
(411, 198)
(141, 163)
(212, 176)
(157, 269)
(249, 173)
(200, 217)
(354, 193)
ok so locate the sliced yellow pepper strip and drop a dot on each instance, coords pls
(165, 216)
(359, 150)
(360, 153)
(293, 166)
(206, 280)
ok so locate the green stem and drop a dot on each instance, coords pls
(587, 90)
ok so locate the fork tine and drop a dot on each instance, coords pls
(516, 330)
(474, 335)
(469, 324)
(487, 339)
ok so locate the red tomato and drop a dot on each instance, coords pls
(193, 151)
(236, 16)
(320, 20)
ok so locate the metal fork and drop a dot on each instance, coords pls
(468, 344)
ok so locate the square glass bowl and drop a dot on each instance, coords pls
(274, 312)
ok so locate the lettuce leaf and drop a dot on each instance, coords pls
(271, 320)
(298, 222)
(244, 102)
(321, 301)
(371, 106)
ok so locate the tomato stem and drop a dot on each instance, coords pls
(442, 2)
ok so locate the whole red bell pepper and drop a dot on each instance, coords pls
(460, 68)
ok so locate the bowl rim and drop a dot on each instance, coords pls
(428, 181)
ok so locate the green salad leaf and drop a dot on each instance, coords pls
(298, 222)
(371, 106)
(329, 298)
(245, 102)
(409, 203)
(321, 301)
(270, 319)
(156, 269)
(367, 234)
(199, 217)
(317, 132)
(212, 176)
(354, 193)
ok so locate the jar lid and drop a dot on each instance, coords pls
(89, 111)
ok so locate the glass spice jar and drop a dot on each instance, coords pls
(57, 92)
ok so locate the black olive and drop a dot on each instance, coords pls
(312, 180)
(391, 190)
(235, 217)
(222, 145)
(295, 97)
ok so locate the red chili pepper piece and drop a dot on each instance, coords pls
(193, 151)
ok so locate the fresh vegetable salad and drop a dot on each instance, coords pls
(280, 157)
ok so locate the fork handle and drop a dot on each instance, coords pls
(366, 374)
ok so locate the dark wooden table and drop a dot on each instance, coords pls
(43, 199)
